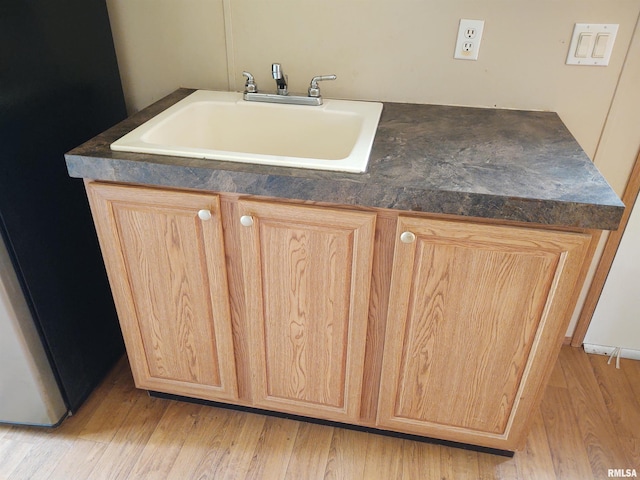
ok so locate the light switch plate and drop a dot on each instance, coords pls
(592, 43)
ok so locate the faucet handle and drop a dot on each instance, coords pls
(314, 89)
(250, 86)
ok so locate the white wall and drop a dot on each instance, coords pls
(616, 320)
(165, 44)
(396, 50)
(619, 143)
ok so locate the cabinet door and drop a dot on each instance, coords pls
(476, 318)
(307, 275)
(166, 267)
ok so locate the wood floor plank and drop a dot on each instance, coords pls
(4, 429)
(41, 460)
(491, 467)
(457, 463)
(205, 438)
(108, 416)
(420, 460)
(27, 434)
(347, 455)
(165, 443)
(12, 454)
(631, 369)
(506, 468)
(631, 447)
(598, 433)
(120, 373)
(244, 446)
(620, 398)
(310, 452)
(622, 402)
(127, 444)
(488, 466)
(211, 458)
(557, 378)
(78, 461)
(534, 462)
(569, 455)
(273, 452)
(384, 458)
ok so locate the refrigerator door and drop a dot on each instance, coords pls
(59, 86)
(29, 393)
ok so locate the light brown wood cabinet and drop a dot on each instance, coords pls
(167, 272)
(307, 272)
(448, 331)
(475, 313)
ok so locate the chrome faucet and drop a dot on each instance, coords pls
(314, 89)
(280, 78)
(282, 94)
(250, 85)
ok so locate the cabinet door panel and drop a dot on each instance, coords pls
(469, 303)
(167, 270)
(307, 273)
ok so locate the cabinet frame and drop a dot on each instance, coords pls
(369, 404)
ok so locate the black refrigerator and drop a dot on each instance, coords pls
(59, 86)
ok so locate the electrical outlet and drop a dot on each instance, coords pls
(470, 32)
(468, 41)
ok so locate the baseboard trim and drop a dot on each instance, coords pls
(630, 353)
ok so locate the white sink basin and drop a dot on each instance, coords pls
(222, 126)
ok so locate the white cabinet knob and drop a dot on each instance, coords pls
(204, 214)
(407, 237)
(246, 220)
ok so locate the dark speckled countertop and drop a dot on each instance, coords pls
(503, 164)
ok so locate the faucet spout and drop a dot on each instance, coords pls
(280, 78)
(282, 95)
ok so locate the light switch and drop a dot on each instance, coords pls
(592, 43)
(584, 45)
(600, 47)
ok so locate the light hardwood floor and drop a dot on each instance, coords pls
(589, 422)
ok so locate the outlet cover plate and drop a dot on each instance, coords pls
(468, 41)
